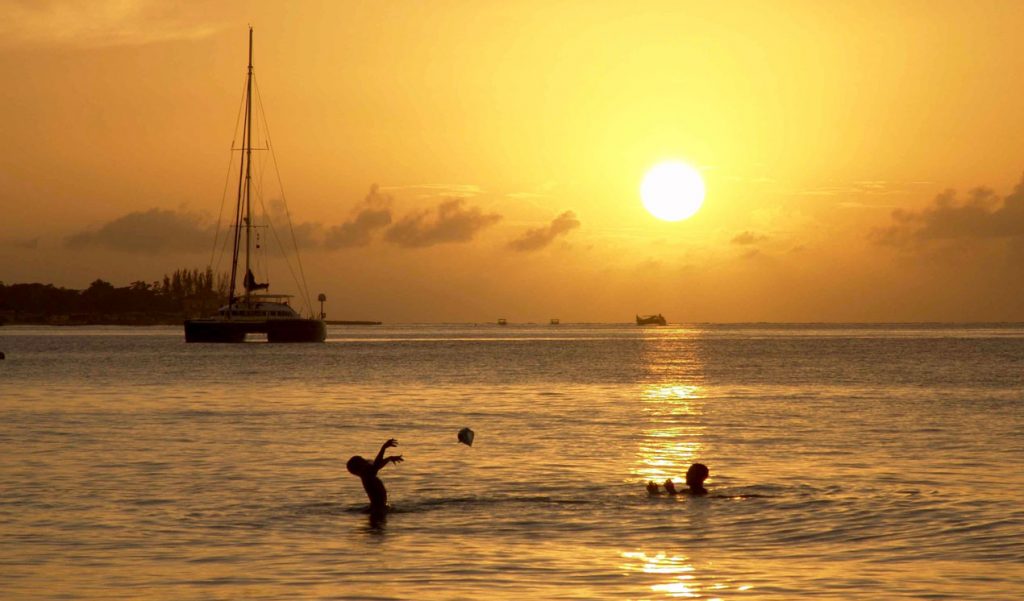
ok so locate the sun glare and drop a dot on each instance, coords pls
(672, 191)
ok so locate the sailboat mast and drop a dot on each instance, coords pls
(242, 213)
(248, 166)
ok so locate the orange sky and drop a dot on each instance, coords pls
(506, 143)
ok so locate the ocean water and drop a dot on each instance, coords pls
(847, 462)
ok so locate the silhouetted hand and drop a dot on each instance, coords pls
(396, 459)
(390, 443)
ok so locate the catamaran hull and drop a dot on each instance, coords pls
(296, 330)
(235, 331)
(209, 330)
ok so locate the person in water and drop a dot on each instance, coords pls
(367, 472)
(695, 477)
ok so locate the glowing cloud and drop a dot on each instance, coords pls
(374, 214)
(538, 238)
(981, 216)
(748, 237)
(450, 221)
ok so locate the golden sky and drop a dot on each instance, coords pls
(464, 161)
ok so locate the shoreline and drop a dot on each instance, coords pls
(695, 324)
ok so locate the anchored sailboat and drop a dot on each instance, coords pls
(252, 313)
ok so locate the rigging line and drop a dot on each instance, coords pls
(261, 263)
(273, 229)
(261, 171)
(223, 253)
(277, 237)
(227, 180)
(263, 257)
(284, 201)
(300, 281)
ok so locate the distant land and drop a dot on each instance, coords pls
(183, 294)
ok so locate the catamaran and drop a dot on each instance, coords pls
(250, 311)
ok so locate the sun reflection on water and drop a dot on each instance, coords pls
(683, 581)
(674, 437)
(672, 441)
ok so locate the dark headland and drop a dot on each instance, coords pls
(182, 295)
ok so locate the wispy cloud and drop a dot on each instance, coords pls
(861, 188)
(525, 195)
(748, 237)
(543, 190)
(450, 221)
(446, 190)
(101, 22)
(538, 238)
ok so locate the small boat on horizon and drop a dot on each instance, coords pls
(249, 312)
(502, 321)
(555, 321)
(651, 320)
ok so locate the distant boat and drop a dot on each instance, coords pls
(555, 321)
(251, 313)
(650, 320)
(502, 321)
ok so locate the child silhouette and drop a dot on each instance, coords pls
(695, 477)
(367, 472)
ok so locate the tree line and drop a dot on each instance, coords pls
(182, 294)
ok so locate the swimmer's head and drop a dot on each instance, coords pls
(696, 475)
(357, 465)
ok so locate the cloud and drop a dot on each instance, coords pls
(981, 216)
(101, 23)
(862, 188)
(358, 231)
(525, 195)
(373, 214)
(542, 190)
(450, 221)
(22, 243)
(540, 237)
(152, 232)
(428, 190)
(748, 237)
(307, 234)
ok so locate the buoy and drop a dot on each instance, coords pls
(2, 355)
(466, 437)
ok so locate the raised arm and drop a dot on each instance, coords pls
(381, 461)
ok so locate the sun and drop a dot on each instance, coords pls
(672, 191)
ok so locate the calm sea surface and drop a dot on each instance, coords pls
(847, 462)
